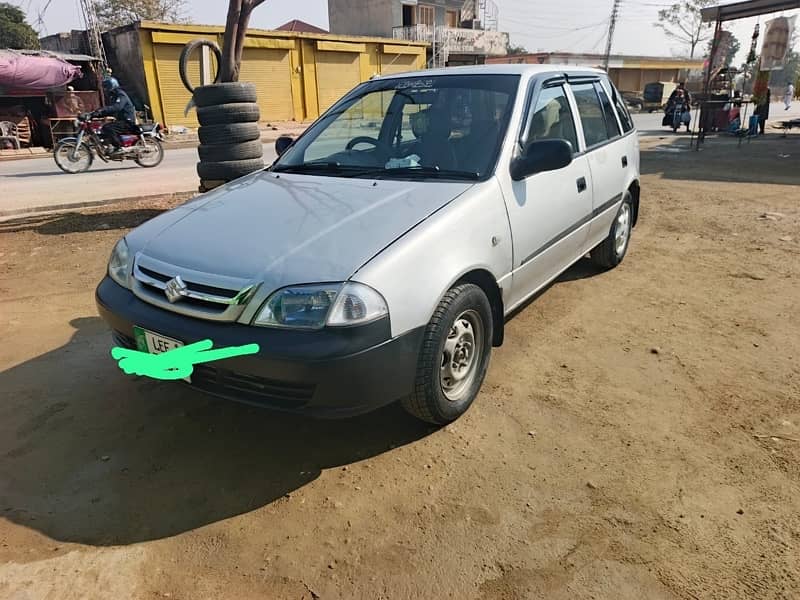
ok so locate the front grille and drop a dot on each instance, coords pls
(250, 388)
(120, 339)
(200, 298)
(193, 285)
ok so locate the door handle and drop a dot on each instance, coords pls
(624, 162)
(581, 184)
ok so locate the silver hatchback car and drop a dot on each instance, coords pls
(377, 258)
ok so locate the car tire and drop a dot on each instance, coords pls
(455, 354)
(186, 53)
(224, 93)
(223, 114)
(224, 152)
(230, 133)
(228, 170)
(610, 252)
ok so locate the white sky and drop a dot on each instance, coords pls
(538, 25)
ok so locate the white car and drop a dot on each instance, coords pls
(377, 258)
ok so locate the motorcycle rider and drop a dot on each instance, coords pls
(123, 111)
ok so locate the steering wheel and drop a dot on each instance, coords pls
(363, 139)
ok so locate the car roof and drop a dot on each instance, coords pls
(502, 69)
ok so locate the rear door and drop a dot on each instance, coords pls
(549, 212)
(607, 154)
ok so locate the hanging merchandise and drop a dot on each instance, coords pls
(751, 56)
(777, 38)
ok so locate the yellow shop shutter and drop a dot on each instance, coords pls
(174, 96)
(337, 74)
(271, 72)
(398, 63)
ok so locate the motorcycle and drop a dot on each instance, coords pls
(677, 114)
(76, 154)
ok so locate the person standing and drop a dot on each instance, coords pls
(762, 110)
(788, 96)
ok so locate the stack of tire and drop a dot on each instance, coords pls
(230, 139)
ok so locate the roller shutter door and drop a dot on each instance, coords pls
(337, 74)
(629, 80)
(174, 96)
(270, 70)
(398, 63)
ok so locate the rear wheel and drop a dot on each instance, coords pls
(454, 357)
(150, 153)
(613, 249)
(73, 158)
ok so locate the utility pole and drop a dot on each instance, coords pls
(611, 26)
(93, 31)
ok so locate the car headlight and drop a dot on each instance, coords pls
(119, 265)
(315, 306)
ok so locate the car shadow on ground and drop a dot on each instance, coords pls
(91, 456)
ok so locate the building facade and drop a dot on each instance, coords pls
(458, 31)
(298, 74)
(629, 73)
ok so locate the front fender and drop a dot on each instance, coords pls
(415, 272)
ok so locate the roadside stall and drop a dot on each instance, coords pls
(41, 93)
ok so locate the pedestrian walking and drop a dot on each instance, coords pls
(762, 110)
(788, 96)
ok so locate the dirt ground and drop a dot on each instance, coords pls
(638, 436)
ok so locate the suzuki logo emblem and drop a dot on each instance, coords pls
(175, 289)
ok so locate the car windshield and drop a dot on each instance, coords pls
(443, 127)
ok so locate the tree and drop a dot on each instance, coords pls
(115, 13)
(513, 50)
(15, 33)
(233, 42)
(682, 22)
(733, 50)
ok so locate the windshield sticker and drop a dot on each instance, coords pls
(414, 83)
(177, 363)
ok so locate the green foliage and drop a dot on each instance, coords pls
(15, 33)
(732, 51)
(513, 50)
(116, 13)
(682, 22)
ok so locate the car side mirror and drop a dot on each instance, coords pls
(283, 143)
(540, 156)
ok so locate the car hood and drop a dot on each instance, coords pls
(284, 229)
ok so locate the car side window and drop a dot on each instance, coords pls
(552, 118)
(591, 114)
(612, 127)
(622, 110)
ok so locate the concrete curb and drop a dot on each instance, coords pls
(18, 213)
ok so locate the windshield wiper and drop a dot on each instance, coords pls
(316, 165)
(435, 172)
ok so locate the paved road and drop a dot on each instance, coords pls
(36, 183)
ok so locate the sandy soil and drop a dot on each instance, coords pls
(638, 435)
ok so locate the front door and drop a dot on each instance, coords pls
(549, 212)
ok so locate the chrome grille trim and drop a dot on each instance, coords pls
(150, 279)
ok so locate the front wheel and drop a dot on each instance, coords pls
(72, 157)
(150, 153)
(454, 357)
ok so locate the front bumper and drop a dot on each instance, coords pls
(335, 372)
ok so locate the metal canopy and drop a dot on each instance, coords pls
(742, 10)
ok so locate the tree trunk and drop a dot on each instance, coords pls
(239, 12)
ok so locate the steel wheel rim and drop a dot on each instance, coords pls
(461, 356)
(149, 150)
(80, 162)
(622, 230)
